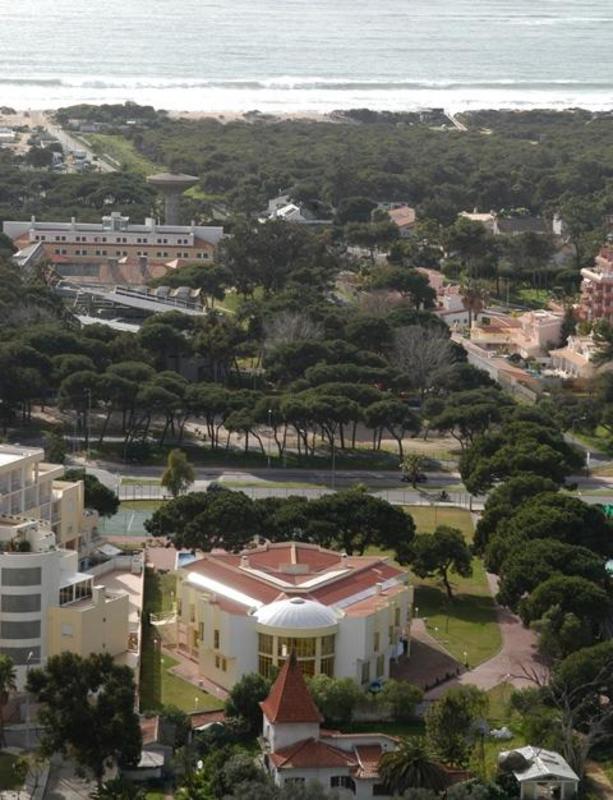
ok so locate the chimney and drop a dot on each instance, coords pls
(378, 587)
(244, 561)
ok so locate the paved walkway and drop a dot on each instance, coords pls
(517, 656)
(428, 663)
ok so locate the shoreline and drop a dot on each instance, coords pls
(337, 116)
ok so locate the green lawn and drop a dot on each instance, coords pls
(467, 622)
(428, 517)
(158, 687)
(8, 778)
(123, 151)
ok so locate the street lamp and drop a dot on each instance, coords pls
(269, 433)
(29, 659)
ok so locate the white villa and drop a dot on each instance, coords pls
(344, 616)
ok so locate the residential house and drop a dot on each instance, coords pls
(296, 750)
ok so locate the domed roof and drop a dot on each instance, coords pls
(296, 612)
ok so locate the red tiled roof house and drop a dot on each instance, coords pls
(297, 750)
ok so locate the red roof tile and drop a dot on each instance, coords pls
(289, 699)
(369, 756)
(311, 753)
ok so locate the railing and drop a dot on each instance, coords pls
(399, 496)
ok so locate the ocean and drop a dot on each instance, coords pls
(281, 56)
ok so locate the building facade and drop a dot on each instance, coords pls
(597, 288)
(32, 489)
(295, 750)
(47, 605)
(344, 616)
(76, 248)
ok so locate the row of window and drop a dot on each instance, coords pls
(343, 782)
(268, 668)
(103, 240)
(304, 647)
(62, 251)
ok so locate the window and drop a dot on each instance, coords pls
(217, 662)
(366, 672)
(216, 639)
(265, 644)
(194, 639)
(390, 633)
(265, 666)
(293, 781)
(201, 631)
(66, 595)
(396, 617)
(21, 576)
(67, 630)
(82, 590)
(192, 612)
(342, 782)
(304, 648)
(308, 667)
(327, 666)
(22, 655)
(327, 645)
(381, 666)
(376, 642)
(20, 630)
(20, 603)
(224, 665)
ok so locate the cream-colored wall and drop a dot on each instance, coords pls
(70, 498)
(100, 627)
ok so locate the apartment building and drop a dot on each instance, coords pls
(32, 489)
(597, 288)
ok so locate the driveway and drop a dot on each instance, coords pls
(514, 663)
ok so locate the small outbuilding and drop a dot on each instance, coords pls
(541, 774)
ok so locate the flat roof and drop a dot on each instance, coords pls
(8, 458)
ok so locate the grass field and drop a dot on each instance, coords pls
(123, 151)
(428, 517)
(466, 624)
(158, 687)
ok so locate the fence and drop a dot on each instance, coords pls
(398, 497)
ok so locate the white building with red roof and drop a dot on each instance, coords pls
(344, 616)
(297, 750)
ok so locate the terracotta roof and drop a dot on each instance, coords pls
(206, 718)
(403, 216)
(369, 756)
(289, 699)
(311, 753)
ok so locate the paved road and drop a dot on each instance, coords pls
(69, 142)
(385, 483)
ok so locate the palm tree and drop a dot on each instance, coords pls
(412, 767)
(7, 685)
(474, 298)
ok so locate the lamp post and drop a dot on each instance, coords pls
(29, 659)
(269, 434)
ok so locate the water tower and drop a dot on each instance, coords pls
(172, 187)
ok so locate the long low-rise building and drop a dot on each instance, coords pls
(84, 249)
(344, 616)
